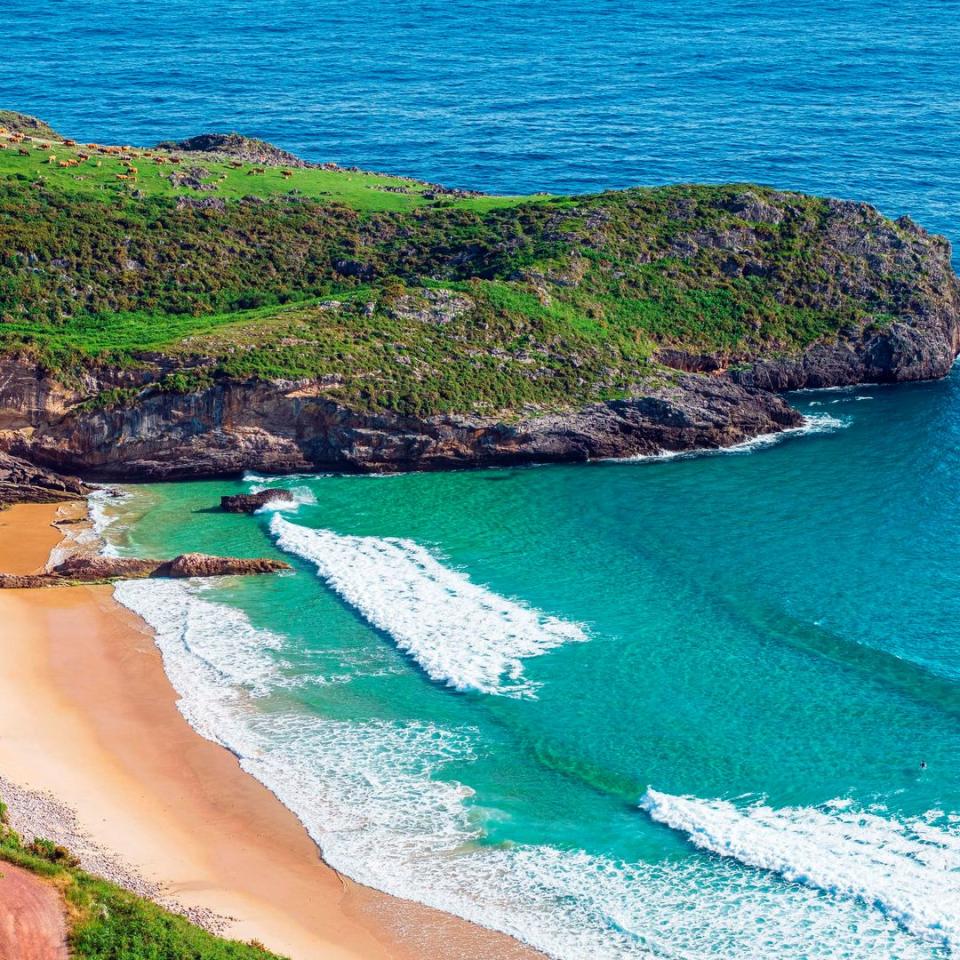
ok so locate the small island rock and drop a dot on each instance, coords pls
(251, 502)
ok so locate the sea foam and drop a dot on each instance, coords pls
(374, 796)
(813, 423)
(908, 869)
(460, 633)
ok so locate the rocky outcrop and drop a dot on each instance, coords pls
(25, 124)
(12, 581)
(22, 482)
(287, 427)
(93, 568)
(252, 502)
(234, 146)
(202, 565)
(923, 351)
(185, 565)
(98, 569)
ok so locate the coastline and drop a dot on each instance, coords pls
(88, 715)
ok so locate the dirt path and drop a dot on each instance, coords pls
(32, 922)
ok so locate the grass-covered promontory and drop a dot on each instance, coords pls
(405, 296)
(106, 922)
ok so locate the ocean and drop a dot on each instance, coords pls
(670, 707)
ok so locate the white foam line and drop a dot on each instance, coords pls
(812, 424)
(213, 636)
(373, 796)
(100, 519)
(909, 870)
(460, 633)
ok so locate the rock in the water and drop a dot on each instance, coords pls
(93, 569)
(251, 502)
(201, 565)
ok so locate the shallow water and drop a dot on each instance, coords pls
(674, 706)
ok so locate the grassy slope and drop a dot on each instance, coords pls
(555, 300)
(109, 923)
(97, 177)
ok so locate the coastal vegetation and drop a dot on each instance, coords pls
(106, 922)
(408, 297)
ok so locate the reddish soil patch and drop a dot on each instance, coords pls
(32, 922)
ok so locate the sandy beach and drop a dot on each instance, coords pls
(87, 714)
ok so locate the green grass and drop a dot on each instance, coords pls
(567, 299)
(107, 922)
(97, 177)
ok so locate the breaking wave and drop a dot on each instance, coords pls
(375, 797)
(907, 869)
(460, 634)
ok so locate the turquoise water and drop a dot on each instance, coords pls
(734, 666)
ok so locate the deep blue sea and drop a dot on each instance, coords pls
(667, 708)
(853, 99)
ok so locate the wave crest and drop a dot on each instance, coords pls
(460, 634)
(908, 869)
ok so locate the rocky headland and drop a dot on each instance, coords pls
(151, 338)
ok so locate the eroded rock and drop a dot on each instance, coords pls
(22, 482)
(251, 502)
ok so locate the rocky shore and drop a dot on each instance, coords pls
(289, 426)
(82, 568)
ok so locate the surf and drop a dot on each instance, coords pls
(459, 633)
(909, 869)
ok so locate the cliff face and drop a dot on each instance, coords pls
(288, 426)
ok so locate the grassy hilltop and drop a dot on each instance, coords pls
(406, 296)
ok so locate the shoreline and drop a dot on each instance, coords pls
(88, 716)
